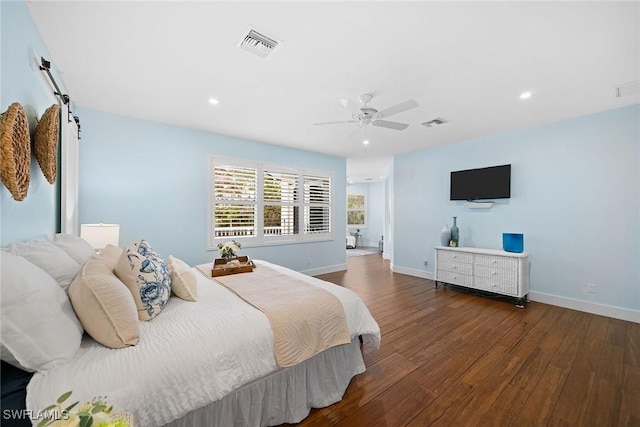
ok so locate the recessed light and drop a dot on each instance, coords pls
(365, 142)
(525, 95)
(213, 101)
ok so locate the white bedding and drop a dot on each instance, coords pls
(190, 355)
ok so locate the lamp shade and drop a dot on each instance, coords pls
(101, 235)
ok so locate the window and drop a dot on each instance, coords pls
(258, 203)
(356, 210)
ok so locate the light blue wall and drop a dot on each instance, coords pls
(375, 211)
(575, 196)
(36, 216)
(151, 179)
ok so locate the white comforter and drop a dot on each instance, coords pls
(190, 355)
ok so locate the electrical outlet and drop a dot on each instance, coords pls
(591, 288)
(425, 262)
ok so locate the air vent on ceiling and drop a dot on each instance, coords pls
(435, 122)
(257, 43)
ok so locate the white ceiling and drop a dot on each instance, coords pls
(466, 62)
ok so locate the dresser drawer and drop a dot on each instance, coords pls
(454, 257)
(454, 278)
(496, 273)
(456, 267)
(496, 261)
(499, 286)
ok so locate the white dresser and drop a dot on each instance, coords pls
(490, 270)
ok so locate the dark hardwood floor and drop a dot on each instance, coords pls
(450, 358)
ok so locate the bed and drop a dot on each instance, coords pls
(208, 362)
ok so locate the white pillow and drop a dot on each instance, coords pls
(76, 247)
(148, 281)
(50, 258)
(39, 328)
(183, 282)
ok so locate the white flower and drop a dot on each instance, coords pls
(229, 249)
(101, 418)
(96, 413)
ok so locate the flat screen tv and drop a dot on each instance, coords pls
(481, 184)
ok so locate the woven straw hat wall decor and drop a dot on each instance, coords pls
(45, 142)
(15, 151)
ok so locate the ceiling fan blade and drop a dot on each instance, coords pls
(404, 106)
(390, 125)
(351, 106)
(336, 123)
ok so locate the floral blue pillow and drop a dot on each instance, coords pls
(147, 279)
(144, 249)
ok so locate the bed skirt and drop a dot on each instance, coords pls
(285, 396)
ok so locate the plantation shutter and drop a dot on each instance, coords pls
(280, 199)
(235, 197)
(263, 204)
(317, 204)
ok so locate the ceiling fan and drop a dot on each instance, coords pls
(365, 115)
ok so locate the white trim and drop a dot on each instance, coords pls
(587, 306)
(413, 272)
(571, 303)
(325, 270)
(69, 153)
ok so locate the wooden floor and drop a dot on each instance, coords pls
(449, 358)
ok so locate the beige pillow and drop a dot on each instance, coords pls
(110, 254)
(104, 304)
(183, 282)
(147, 280)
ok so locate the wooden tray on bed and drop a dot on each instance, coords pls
(222, 268)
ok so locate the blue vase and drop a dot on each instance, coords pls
(513, 242)
(455, 234)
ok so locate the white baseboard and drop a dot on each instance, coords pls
(325, 270)
(587, 306)
(413, 272)
(574, 304)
